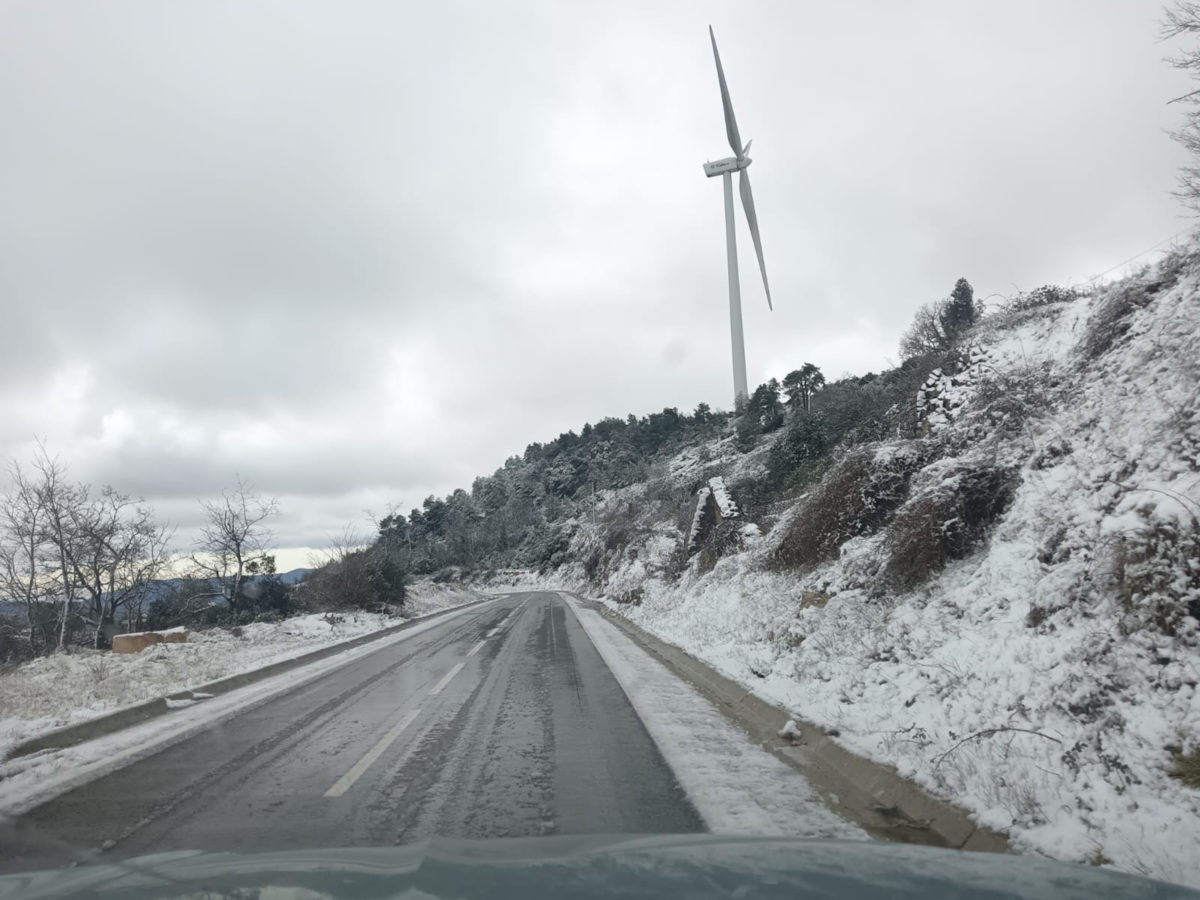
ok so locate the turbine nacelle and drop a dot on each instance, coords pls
(721, 166)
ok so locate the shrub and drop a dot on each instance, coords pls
(753, 496)
(187, 602)
(592, 558)
(946, 522)
(847, 413)
(14, 642)
(722, 539)
(1036, 616)
(1111, 319)
(802, 447)
(1015, 396)
(855, 498)
(1186, 766)
(268, 597)
(1153, 575)
(362, 579)
(633, 597)
(618, 534)
(1046, 295)
(928, 332)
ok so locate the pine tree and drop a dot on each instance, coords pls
(801, 384)
(959, 313)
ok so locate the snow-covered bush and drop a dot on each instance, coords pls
(854, 498)
(1112, 315)
(946, 519)
(1009, 398)
(1186, 766)
(1154, 574)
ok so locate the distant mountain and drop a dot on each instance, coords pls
(161, 587)
(295, 576)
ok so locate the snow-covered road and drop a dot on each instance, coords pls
(506, 719)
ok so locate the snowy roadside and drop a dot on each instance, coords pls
(736, 787)
(920, 706)
(28, 781)
(1044, 680)
(68, 688)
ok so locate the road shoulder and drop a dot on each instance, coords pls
(871, 795)
(735, 786)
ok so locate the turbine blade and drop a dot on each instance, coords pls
(752, 220)
(731, 129)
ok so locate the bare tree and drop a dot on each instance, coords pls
(117, 550)
(184, 600)
(23, 557)
(1183, 20)
(927, 334)
(58, 499)
(93, 555)
(234, 541)
(341, 575)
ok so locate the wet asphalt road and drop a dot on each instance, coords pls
(501, 722)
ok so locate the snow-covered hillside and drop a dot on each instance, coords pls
(1006, 608)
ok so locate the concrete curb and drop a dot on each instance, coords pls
(150, 709)
(870, 794)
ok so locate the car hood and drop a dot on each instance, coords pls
(694, 866)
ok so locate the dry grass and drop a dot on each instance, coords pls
(1113, 316)
(1151, 575)
(1111, 319)
(856, 497)
(633, 597)
(1186, 766)
(946, 522)
(1012, 397)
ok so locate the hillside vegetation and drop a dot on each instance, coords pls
(982, 566)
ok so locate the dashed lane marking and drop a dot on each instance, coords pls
(344, 783)
(437, 688)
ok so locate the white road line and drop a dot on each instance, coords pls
(495, 631)
(344, 783)
(476, 648)
(437, 688)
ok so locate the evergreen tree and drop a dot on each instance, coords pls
(764, 410)
(959, 312)
(801, 384)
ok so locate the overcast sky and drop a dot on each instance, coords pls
(359, 253)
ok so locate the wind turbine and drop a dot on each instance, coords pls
(725, 168)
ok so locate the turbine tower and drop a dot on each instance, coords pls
(725, 168)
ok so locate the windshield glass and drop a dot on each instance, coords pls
(474, 422)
